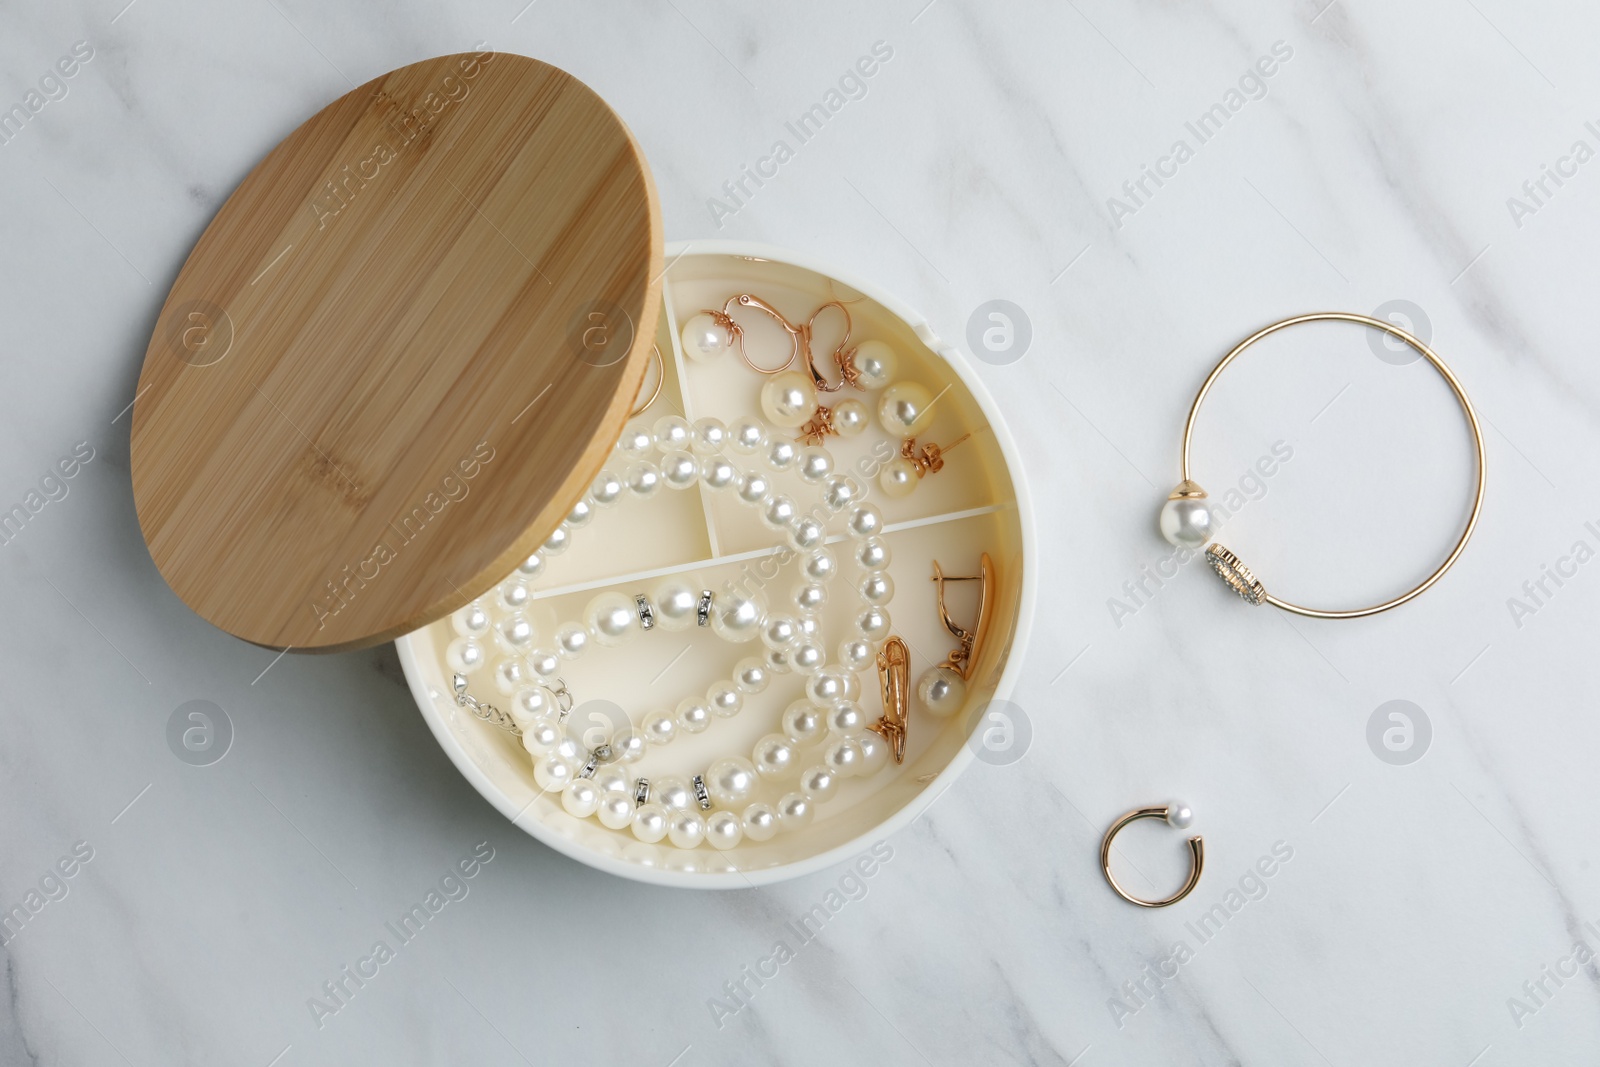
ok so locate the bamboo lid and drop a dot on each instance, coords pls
(399, 354)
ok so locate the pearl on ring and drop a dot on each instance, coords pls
(1179, 815)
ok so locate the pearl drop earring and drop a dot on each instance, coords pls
(943, 689)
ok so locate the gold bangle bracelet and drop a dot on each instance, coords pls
(1186, 517)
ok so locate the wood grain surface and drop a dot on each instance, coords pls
(399, 354)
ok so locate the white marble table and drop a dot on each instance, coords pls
(1426, 911)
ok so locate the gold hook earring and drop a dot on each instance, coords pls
(943, 689)
(894, 672)
(1179, 817)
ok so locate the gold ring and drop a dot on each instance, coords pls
(1176, 815)
(1186, 518)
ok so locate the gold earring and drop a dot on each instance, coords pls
(894, 671)
(899, 477)
(943, 689)
(1178, 816)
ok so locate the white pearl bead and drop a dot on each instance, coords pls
(874, 753)
(612, 618)
(659, 727)
(513, 594)
(540, 735)
(685, 829)
(874, 623)
(760, 822)
(779, 512)
(551, 773)
(905, 409)
(710, 436)
(777, 660)
(774, 756)
(942, 691)
(754, 487)
(464, 655)
(806, 657)
(644, 479)
(676, 603)
(788, 398)
(875, 363)
(569, 750)
(530, 567)
(865, 521)
(673, 433)
(780, 631)
(580, 798)
(842, 757)
(807, 533)
(693, 715)
(840, 491)
(610, 778)
(876, 587)
(730, 780)
(857, 654)
(580, 516)
(846, 719)
(510, 675)
(795, 810)
(607, 489)
(724, 699)
(737, 618)
(1179, 815)
(559, 541)
(802, 722)
(636, 442)
(679, 470)
(873, 554)
(1187, 522)
(751, 675)
(819, 565)
(814, 464)
(717, 473)
(532, 702)
(673, 792)
(781, 454)
(747, 436)
(650, 822)
(545, 664)
(850, 417)
(810, 597)
(723, 830)
(571, 640)
(898, 478)
(628, 745)
(704, 339)
(825, 688)
(470, 621)
(615, 810)
(819, 783)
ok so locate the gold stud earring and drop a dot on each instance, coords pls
(899, 477)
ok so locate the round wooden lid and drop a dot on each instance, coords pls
(399, 354)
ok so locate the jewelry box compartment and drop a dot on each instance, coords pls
(972, 507)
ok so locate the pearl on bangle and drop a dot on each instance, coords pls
(1187, 522)
(788, 399)
(704, 339)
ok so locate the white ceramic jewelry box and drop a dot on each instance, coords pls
(394, 366)
(977, 503)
